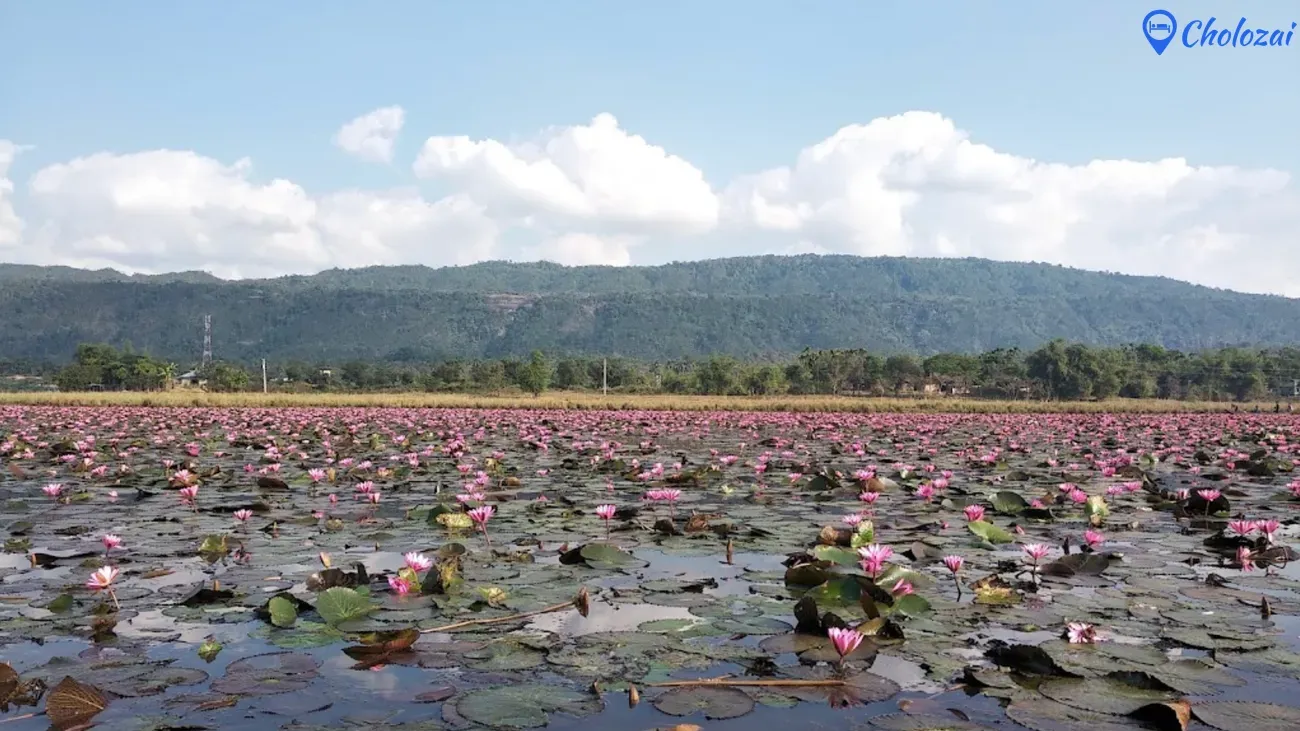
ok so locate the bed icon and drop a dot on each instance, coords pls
(1154, 27)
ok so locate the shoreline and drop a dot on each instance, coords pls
(562, 400)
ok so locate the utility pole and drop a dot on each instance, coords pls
(264, 389)
(604, 376)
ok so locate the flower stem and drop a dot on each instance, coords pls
(734, 682)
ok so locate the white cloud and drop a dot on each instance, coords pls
(168, 210)
(916, 185)
(584, 174)
(581, 249)
(371, 137)
(912, 184)
(11, 226)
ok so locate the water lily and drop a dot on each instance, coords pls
(845, 640)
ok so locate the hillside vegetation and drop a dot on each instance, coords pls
(745, 307)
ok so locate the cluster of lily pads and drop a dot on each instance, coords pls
(511, 568)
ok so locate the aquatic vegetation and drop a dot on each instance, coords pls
(1107, 571)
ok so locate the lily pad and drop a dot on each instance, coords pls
(1041, 714)
(1102, 695)
(269, 674)
(715, 703)
(338, 604)
(1248, 716)
(527, 705)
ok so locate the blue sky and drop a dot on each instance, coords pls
(732, 87)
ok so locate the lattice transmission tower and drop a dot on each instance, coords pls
(207, 341)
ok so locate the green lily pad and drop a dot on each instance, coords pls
(283, 612)
(606, 556)
(990, 532)
(526, 705)
(338, 604)
(1009, 503)
(715, 703)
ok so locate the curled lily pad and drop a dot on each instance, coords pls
(283, 612)
(73, 703)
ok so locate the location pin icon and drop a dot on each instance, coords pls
(1159, 27)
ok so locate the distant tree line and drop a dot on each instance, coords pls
(1057, 370)
(98, 367)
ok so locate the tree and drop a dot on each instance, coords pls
(225, 377)
(572, 373)
(102, 365)
(489, 375)
(535, 375)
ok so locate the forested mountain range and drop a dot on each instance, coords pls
(746, 307)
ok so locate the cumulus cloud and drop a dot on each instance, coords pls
(596, 173)
(916, 185)
(913, 184)
(581, 249)
(11, 226)
(371, 137)
(170, 210)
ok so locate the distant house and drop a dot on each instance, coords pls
(190, 379)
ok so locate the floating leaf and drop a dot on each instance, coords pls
(269, 674)
(923, 722)
(1102, 695)
(1041, 714)
(1247, 716)
(209, 650)
(715, 703)
(283, 612)
(836, 555)
(338, 605)
(913, 605)
(526, 705)
(1010, 503)
(73, 703)
(990, 532)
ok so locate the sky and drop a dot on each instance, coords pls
(255, 139)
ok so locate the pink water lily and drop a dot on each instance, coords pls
(606, 513)
(102, 580)
(417, 562)
(845, 640)
(954, 564)
(1081, 633)
(481, 515)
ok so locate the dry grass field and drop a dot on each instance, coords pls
(581, 400)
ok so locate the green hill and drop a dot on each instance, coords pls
(746, 306)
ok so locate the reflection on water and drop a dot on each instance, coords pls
(607, 618)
